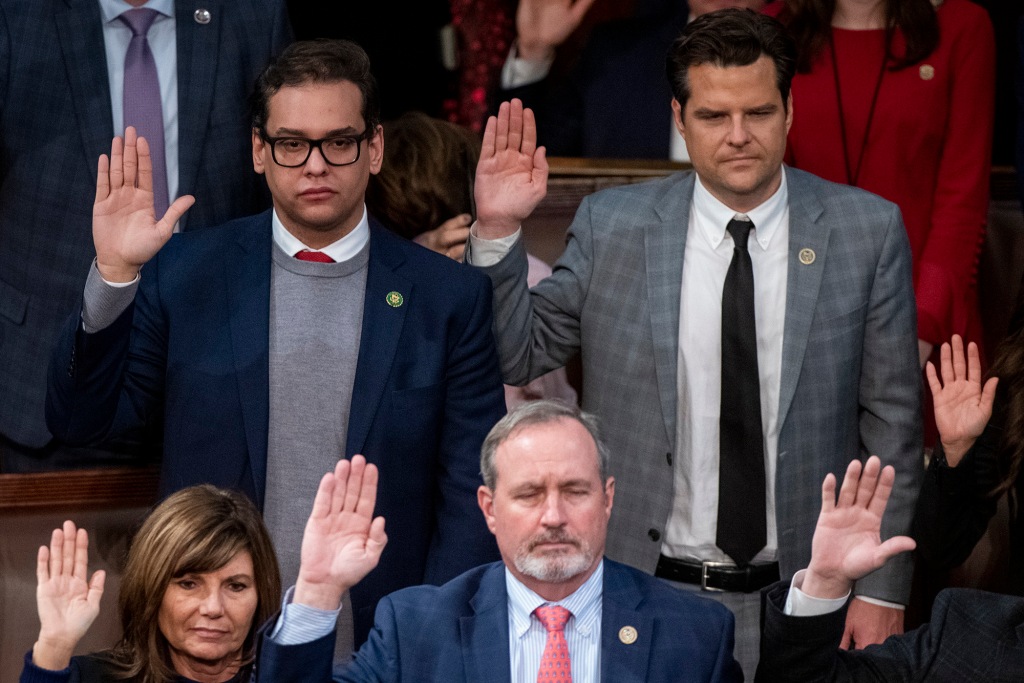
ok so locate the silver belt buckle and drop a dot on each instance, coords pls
(704, 566)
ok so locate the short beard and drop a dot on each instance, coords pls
(555, 567)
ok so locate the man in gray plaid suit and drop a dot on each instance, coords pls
(639, 290)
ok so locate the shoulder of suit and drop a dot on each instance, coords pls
(663, 599)
(453, 595)
(834, 196)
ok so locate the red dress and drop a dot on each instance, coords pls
(928, 149)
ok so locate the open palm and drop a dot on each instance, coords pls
(342, 542)
(125, 231)
(962, 405)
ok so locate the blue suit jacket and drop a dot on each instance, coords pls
(972, 636)
(194, 359)
(55, 121)
(459, 632)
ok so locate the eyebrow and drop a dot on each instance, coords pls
(337, 132)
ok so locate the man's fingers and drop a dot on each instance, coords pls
(847, 640)
(99, 579)
(882, 491)
(56, 543)
(376, 539)
(67, 562)
(828, 493)
(487, 144)
(42, 565)
(342, 482)
(131, 157)
(893, 547)
(322, 500)
(501, 131)
(515, 125)
(354, 488)
(529, 140)
(174, 213)
(973, 363)
(540, 168)
(933, 379)
(868, 481)
(81, 570)
(848, 490)
(988, 393)
(102, 178)
(116, 163)
(946, 363)
(145, 166)
(368, 493)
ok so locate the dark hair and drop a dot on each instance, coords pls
(427, 174)
(196, 530)
(730, 37)
(539, 412)
(317, 61)
(810, 23)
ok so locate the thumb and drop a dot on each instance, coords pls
(893, 547)
(99, 579)
(174, 213)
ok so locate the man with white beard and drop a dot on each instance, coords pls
(554, 608)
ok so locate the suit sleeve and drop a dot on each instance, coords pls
(474, 402)
(538, 330)
(110, 383)
(378, 658)
(890, 401)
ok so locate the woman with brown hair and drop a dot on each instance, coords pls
(200, 579)
(897, 97)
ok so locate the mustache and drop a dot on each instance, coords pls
(553, 536)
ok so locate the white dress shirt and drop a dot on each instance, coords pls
(163, 43)
(340, 250)
(527, 636)
(693, 522)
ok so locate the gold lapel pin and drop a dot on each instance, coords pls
(927, 72)
(807, 256)
(394, 299)
(627, 634)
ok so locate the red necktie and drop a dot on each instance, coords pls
(317, 256)
(554, 663)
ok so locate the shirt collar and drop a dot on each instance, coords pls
(342, 250)
(112, 9)
(584, 603)
(714, 216)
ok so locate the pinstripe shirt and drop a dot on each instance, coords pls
(527, 636)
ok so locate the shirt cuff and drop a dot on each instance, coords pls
(300, 623)
(103, 302)
(518, 72)
(799, 604)
(485, 253)
(881, 603)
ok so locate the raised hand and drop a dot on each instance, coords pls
(543, 25)
(512, 175)
(125, 231)
(962, 405)
(847, 541)
(67, 602)
(449, 238)
(342, 541)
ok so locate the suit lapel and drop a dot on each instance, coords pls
(485, 654)
(665, 243)
(803, 282)
(382, 328)
(80, 28)
(247, 272)
(622, 660)
(197, 68)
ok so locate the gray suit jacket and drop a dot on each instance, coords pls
(55, 121)
(850, 380)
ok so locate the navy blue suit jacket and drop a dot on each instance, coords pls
(459, 632)
(191, 354)
(615, 102)
(55, 121)
(972, 636)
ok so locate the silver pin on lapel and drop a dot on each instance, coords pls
(202, 16)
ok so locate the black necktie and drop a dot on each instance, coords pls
(741, 506)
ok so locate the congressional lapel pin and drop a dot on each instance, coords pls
(394, 299)
(807, 256)
(202, 16)
(927, 72)
(627, 634)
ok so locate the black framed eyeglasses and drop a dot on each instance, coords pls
(337, 150)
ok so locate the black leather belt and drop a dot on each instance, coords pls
(718, 576)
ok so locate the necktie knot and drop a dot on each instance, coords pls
(552, 617)
(316, 256)
(740, 231)
(139, 20)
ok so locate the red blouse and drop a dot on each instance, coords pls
(928, 149)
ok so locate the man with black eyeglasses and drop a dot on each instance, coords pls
(268, 348)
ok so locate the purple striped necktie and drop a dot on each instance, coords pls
(142, 104)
